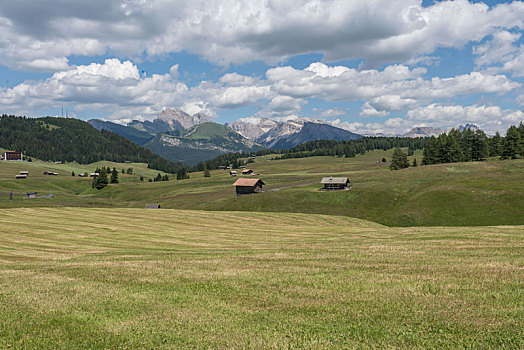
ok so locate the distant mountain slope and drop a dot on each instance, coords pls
(157, 126)
(422, 131)
(201, 142)
(309, 131)
(62, 139)
(170, 120)
(253, 128)
(135, 135)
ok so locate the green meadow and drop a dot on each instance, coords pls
(458, 194)
(100, 278)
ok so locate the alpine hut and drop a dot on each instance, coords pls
(335, 183)
(248, 186)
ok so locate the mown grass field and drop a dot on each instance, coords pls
(131, 278)
(478, 193)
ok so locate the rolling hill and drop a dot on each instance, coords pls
(458, 194)
(68, 140)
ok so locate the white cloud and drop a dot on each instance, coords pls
(41, 36)
(113, 87)
(499, 48)
(117, 89)
(329, 113)
(489, 118)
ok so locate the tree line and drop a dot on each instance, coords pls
(469, 145)
(315, 148)
(68, 140)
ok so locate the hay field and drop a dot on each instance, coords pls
(130, 278)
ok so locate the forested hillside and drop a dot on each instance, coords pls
(60, 139)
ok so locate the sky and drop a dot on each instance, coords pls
(376, 66)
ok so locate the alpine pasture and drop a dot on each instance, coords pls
(426, 257)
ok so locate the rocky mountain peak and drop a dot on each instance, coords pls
(176, 116)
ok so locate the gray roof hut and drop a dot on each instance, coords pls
(335, 183)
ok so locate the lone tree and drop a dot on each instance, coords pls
(207, 173)
(182, 174)
(72, 173)
(100, 181)
(114, 176)
(399, 160)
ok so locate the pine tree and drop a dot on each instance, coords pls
(207, 173)
(100, 181)
(495, 145)
(521, 131)
(480, 149)
(399, 160)
(511, 143)
(415, 162)
(114, 176)
(182, 174)
(430, 153)
(158, 177)
(72, 173)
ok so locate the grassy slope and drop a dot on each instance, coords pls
(129, 278)
(480, 193)
(69, 190)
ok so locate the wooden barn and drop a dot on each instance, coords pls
(248, 186)
(335, 183)
(152, 206)
(12, 155)
(247, 172)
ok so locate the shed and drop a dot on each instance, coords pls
(93, 174)
(233, 173)
(12, 155)
(152, 206)
(221, 167)
(24, 172)
(248, 186)
(247, 172)
(20, 176)
(50, 173)
(335, 183)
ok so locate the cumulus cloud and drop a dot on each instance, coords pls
(114, 87)
(489, 118)
(117, 89)
(41, 36)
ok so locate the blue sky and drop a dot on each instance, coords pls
(370, 67)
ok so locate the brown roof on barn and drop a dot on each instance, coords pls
(247, 182)
(334, 180)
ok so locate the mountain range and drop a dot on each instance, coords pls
(181, 137)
